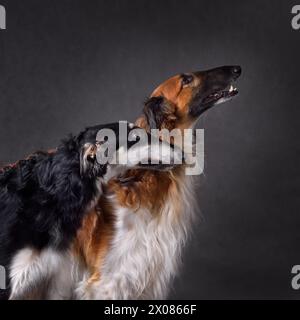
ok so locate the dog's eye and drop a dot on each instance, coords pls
(187, 79)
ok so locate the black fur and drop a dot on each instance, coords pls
(43, 198)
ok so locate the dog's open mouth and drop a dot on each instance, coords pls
(221, 96)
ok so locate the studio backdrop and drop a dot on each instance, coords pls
(68, 64)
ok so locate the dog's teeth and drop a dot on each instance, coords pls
(231, 88)
(235, 89)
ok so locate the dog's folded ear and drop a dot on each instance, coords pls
(153, 112)
(158, 112)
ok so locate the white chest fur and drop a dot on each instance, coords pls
(146, 249)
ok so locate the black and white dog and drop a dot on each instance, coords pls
(43, 200)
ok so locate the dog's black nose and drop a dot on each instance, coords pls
(236, 71)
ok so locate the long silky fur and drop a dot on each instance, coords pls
(145, 250)
(42, 202)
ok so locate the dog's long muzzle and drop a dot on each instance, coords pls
(217, 86)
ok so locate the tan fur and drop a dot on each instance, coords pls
(179, 97)
(93, 239)
(147, 189)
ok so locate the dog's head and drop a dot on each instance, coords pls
(179, 101)
(89, 147)
(97, 149)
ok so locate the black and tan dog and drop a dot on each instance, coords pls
(130, 243)
(43, 200)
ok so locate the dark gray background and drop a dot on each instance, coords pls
(66, 64)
